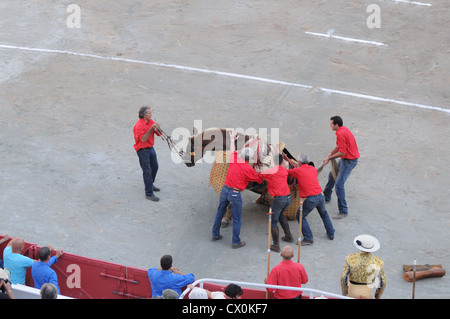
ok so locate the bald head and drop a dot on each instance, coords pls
(17, 244)
(287, 253)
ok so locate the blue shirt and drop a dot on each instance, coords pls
(17, 265)
(165, 279)
(42, 273)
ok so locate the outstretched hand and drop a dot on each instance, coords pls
(233, 135)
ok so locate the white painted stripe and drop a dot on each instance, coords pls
(229, 74)
(331, 35)
(382, 99)
(160, 64)
(414, 2)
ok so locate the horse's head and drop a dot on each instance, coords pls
(212, 139)
(218, 139)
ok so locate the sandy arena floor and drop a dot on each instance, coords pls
(69, 98)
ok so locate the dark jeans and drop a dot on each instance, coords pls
(311, 202)
(279, 206)
(149, 164)
(232, 197)
(345, 168)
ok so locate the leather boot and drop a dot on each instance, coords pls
(287, 232)
(275, 237)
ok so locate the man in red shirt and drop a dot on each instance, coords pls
(287, 273)
(144, 138)
(309, 188)
(347, 150)
(276, 178)
(240, 173)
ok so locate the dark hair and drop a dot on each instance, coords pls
(44, 253)
(143, 111)
(337, 120)
(233, 291)
(166, 262)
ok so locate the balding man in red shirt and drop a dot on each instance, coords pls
(309, 188)
(287, 273)
(240, 173)
(347, 150)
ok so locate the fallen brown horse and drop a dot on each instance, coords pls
(218, 140)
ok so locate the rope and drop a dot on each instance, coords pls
(170, 143)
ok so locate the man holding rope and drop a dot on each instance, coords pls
(309, 188)
(347, 149)
(144, 136)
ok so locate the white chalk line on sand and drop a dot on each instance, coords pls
(229, 74)
(414, 2)
(331, 35)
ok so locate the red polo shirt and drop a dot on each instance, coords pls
(346, 143)
(276, 178)
(287, 273)
(140, 128)
(308, 183)
(240, 173)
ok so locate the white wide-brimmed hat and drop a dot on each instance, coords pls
(366, 243)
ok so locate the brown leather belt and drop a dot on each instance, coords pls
(233, 189)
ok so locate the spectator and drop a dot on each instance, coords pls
(169, 294)
(168, 277)
(49, 291)
(232, 291)
(41, 271)
(15, 262)
(3, 240)
(5, 285)
(199, 293)
(287, 273)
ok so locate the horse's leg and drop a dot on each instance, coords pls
(227, 218)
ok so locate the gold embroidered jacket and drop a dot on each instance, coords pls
(363, 268)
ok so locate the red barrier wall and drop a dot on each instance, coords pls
(86, 278)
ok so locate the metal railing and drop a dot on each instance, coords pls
(310, 292)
